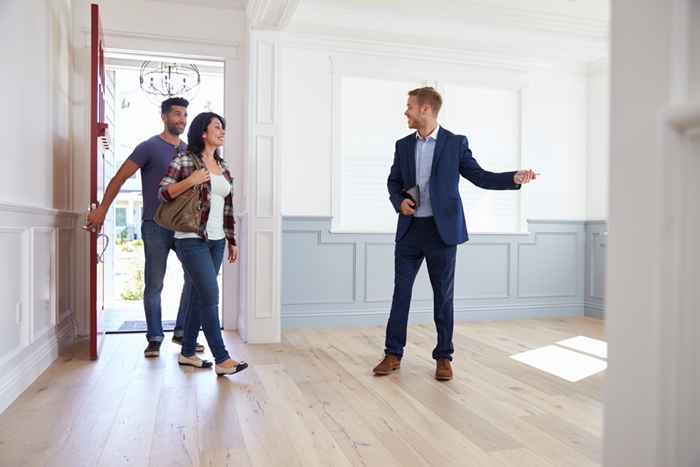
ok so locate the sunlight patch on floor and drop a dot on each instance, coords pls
(564, 363)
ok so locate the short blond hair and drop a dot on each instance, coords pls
(428, 95)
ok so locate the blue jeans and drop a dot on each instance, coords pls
(423, 242)
(157, 243)
(202, 259)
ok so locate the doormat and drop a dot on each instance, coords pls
(140, 326)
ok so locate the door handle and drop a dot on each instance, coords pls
(100, 257)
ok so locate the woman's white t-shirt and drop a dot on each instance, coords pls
(220, 189)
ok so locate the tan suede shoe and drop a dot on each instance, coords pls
(387, 365)
(443, 369)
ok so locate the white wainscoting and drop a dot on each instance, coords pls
(37, 297)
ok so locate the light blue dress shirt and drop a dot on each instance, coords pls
(425, 149)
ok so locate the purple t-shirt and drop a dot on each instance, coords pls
(153, 156)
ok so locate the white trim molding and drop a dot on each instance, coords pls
(260, 237)
(408, 51)
(38, 287)
(20, 371)
(162, 44)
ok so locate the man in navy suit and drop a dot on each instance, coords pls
(432, 159)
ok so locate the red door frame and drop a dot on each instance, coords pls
(97, 130)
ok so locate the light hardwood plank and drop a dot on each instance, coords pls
(312, 401)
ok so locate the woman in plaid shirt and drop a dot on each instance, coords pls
(201, 253)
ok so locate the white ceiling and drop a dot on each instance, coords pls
(575, 30)
(584, 10)
(543, 30)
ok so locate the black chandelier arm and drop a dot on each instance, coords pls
(168, 79)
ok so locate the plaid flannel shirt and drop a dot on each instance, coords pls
(182, 167)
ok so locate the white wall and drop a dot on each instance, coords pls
(36, 120)
(554, 121)
(183, 22)
(598, 102)
(652, 408)
(37, 230)
(305, 103)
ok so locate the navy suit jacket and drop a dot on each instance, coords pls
(452, 158)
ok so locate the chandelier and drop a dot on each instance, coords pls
(160, 80)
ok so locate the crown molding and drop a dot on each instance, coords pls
(549, 21)
(501, 59)
(511, 15)
(270, 14)
(236, 5)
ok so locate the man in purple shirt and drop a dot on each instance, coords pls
(153, 157)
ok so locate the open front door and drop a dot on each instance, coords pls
(98, 146)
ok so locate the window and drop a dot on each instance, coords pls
(120, 215)
(371, 120)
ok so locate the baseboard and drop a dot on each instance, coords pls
(594, 309)
(424, 315)
(22, 370)
(594, 313)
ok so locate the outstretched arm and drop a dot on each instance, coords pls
(470, 169)
(96, 218)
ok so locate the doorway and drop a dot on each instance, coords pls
(134, 108)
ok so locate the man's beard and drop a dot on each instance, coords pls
(175, 130)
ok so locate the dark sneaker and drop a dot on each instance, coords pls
(153, 349)
(199, 348)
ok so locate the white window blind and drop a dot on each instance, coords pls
(490, 119)
(371, 120)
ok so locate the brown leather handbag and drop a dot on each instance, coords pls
(182, 214)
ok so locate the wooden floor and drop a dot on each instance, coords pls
(312, 400)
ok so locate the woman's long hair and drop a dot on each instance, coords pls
(195, 142)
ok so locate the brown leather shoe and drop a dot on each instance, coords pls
(443, 369)
(387, 365)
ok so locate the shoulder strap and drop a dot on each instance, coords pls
(195, 160)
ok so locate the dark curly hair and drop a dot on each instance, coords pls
(195, 142)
